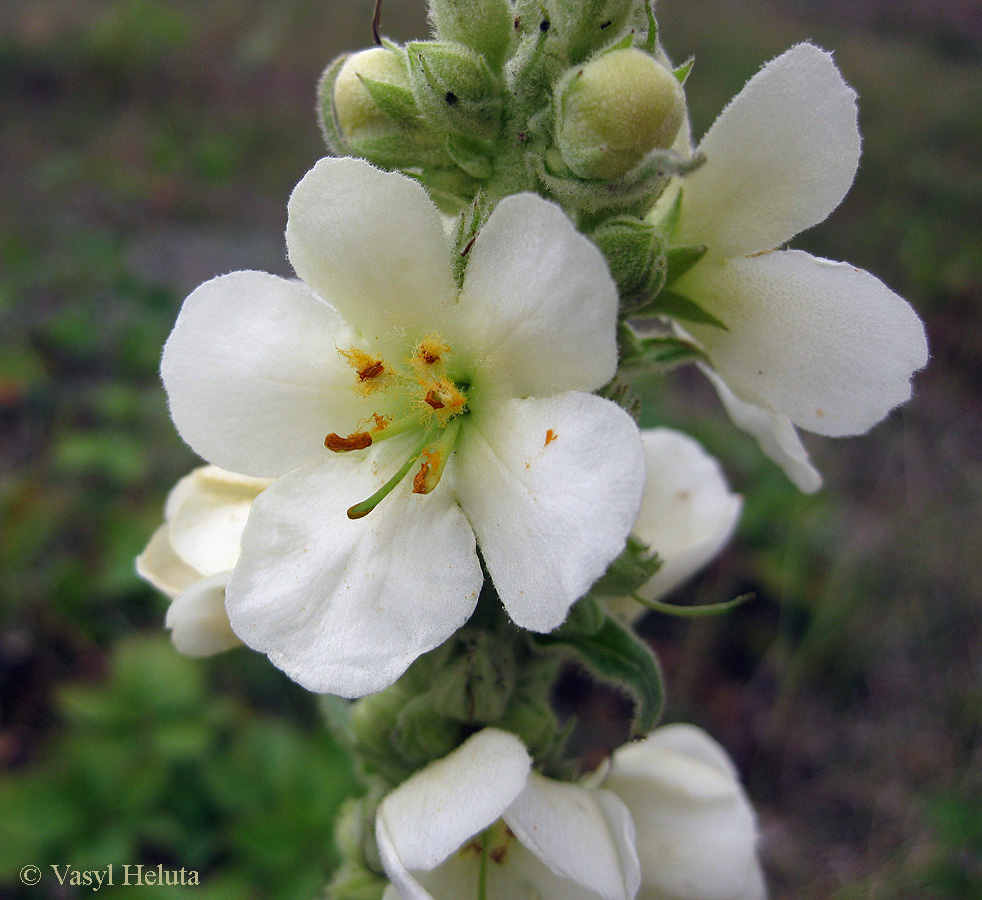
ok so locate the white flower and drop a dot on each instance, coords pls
(688, 513)
(481, 815)
(696, 831)
(468, 412)
(671, 822)
(190, 557)
(820, 344)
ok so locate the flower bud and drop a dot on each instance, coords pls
(616, 109)
(455, 89)
(483, 25)
(371, 91)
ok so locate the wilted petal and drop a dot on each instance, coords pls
(254, 377)
(779, 158)
(538, 305)
(696, 831)
(823, 343)
(372, 244)
(776, 435)
(344, 606)
(581, 835)
(197, 618)
(552, 487)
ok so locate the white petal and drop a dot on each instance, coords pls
(538, 303)
(207, 511)
(552, 487)
(162, 567)
(696, 831)
(342, 606)
(197, 618)
(254, 377)
(436, 810)
(585, 836)
(779, 158)
(823, 343)
(372, 244)
(776, 435)
(687, 512)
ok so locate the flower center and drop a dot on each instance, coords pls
(435, 400)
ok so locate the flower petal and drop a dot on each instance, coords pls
(585, 836)
(552, 487)
(162, 567)
(343, 606)
(779, 158)
(426, 818)
(253, 374)
(687, 512)
(197, 618)
(824, 343)
(372, 244)
(696, 831)
(776, 435)
(207, 510)
(538, 303)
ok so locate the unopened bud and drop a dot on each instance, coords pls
(371, 92)
(616, 109)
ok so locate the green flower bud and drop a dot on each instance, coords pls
(614, 111)
(455, 89)
(636, 255)
(483, 25)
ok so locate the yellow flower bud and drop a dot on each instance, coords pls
(358, 111)
(614, 111)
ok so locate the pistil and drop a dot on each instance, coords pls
(360, 510)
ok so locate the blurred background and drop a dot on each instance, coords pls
(148, 145)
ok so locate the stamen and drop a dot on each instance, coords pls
(429, 352)
(357, 441)
(360, 510)
(435, 461)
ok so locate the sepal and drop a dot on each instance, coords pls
(626, 574)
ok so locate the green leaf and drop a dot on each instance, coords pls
(621, 659)
(632, 569)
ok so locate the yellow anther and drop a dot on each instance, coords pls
(429, 352)
(373, 372)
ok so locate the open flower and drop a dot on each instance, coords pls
(688, 513)
(819, 344)
(481, 823)
(190, 557)
(671, 822)
(374, 382)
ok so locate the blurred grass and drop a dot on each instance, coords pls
(148, 146)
